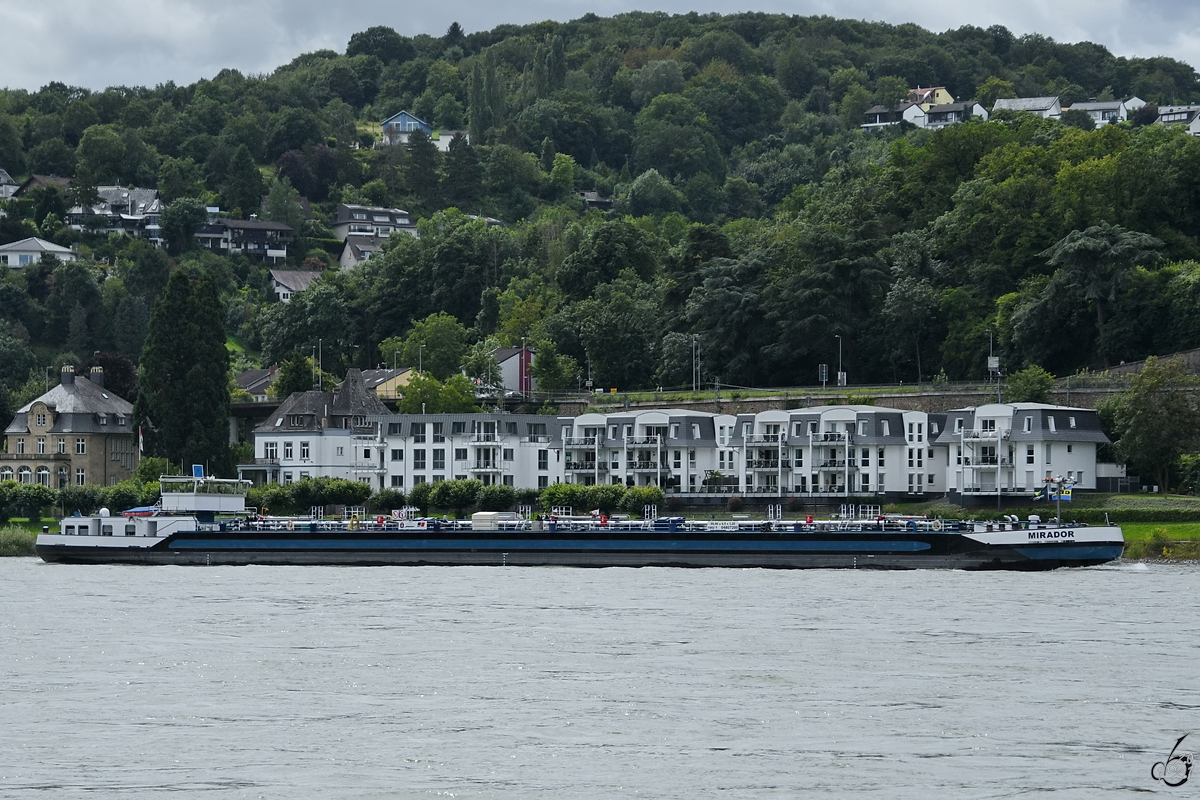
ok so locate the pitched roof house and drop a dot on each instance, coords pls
(877, 117)
(372, 221)
(1045, 107)
(320, 434)
(120, 210)
(939, 116)
(358, 248)
(77, 433)
(287, 282)
(255, 238)
(8, 186)
(397, 127)
(31, 251)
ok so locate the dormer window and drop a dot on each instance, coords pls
(103, 419)
(41, 419)
(295, 420)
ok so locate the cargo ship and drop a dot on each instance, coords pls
(205, 521)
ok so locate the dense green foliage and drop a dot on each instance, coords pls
(751, 215)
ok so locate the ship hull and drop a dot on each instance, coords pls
(777, 550)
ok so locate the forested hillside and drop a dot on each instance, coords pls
(750, 211)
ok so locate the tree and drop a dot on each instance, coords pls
(184, 398)
(652, 194)
(421, 168)
(283, 204)
(890, 92)
(462, 183)
(496, 497)
(120, 373)
(435, 345)
(297, 375)
(1078, 118)
(180, 221)
(992, 90)
(424, 394)
(243, 187)
(1157, 419)
(674, 137)
(419, 494)
(1099, 260)
(456, 495)
(555, 374)
(1029, 385)
(482, 368)
(383, 43)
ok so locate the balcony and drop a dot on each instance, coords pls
(832, 464)
(582, 441)
(766, 438)
(485, 438)
(830, 437)
(485, 467)
(760, 463)
(985, 436)
(584, 466)
(535, 440)
(644, 466)
(643, 441)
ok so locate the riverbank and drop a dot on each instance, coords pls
(16, 540)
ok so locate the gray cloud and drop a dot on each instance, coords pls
(123, 42)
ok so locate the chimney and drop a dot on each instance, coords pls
(98, 376)
(67, 376)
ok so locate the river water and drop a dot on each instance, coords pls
(313, 682)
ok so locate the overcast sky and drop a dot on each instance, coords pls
(146, 42)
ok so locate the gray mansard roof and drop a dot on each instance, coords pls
(77, 406)
(1087, 426)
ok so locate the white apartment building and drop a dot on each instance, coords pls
(1012, 448)
(830, 451)
(518, 450)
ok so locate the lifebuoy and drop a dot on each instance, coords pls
(379, 520)
(291, 525)
(937, 525)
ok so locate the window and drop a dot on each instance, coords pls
(1070, 422)
(43, 476)
(1053, 427)
(958, 424)
(439, 458)
(866, 481)
(1069, 448)
(885, 428)
(987, 425)
(41, 444)
(879, 460)
(506, 454)
(674, 430)
(543, 459)
(510, 428)
(41, 420)
(695, 430)
(543, 481)
(418, 431)
(271, 450)
(508, 480)
(460, 454)
(866, 456)
(612, 431)
(394, 429)
(287, 450)
(1029, 454)
(678, 459)
(457, 428)
(62, 445)
(910, 432)
(1079, 476)
(6, 474)
(418, 459)
(81, 447)
(812, 426)
(437, 432)
(295, 420)
(910, 457)
(20, 445)
(397, 454)
(341, 450)
(862, 427)
(920, 431)
(80, 476)
(366, 454)
(102, 418)
(746, 428)
(799, 458)
(397, 481)
(304, 453)
(1049, 447)
(1028, 427)
(933, 429)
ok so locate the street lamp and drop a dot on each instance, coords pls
(841, 379)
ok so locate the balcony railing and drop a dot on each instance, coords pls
(644, 465)
(485, 467)
(582, 441)
(1003, 433)
(829, 436)
(766, 438)
(832, 464)
(483, 438)
(585, 466)
(642, 441)
(759, 463)
(535, 440)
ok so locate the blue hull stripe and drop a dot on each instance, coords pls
(1106, 552)
(546, 544)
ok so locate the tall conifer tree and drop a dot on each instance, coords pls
(183, 406)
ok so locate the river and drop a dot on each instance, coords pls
(328, 682)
